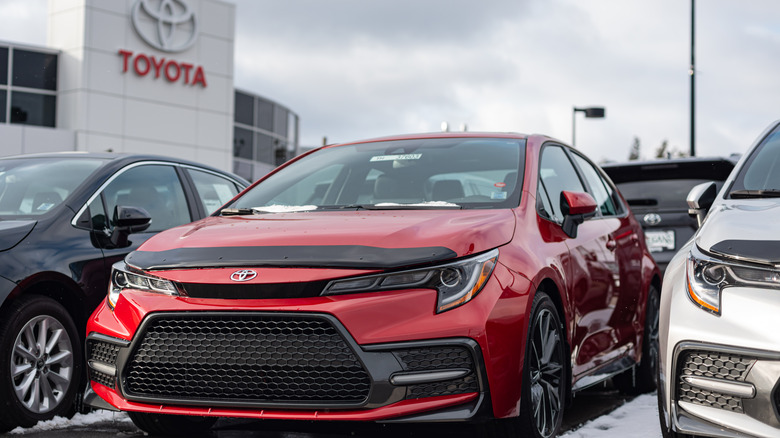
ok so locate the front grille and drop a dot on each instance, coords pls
(245, 358)
(254, 291)
(713, 365)
(439, 358)
(103, 352)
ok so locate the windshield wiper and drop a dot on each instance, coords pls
(761, 193)
(236, 212)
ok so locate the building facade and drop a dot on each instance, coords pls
(140, 76)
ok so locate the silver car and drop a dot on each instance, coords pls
(719, 371)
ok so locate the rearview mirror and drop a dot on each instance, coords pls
(700, 199)
(128, 220)
(576, 207)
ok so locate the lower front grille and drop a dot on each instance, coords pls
(712, 365)
(241, 358)
(104, 353)
(439, 358)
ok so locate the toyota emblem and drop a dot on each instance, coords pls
(652, 219)
(167, 25)
(243, 275)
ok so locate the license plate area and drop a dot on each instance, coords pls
(658, 241)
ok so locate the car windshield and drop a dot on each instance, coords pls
(668, 194)
(401, 174)
(760, 175)
(34, 186)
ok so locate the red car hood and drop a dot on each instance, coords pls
(359, 239)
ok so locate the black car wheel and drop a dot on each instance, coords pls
(644, 377)
(172, 425)
(40, 363)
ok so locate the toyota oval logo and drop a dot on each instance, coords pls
(243, 275)
(652, 219)
(167, 25)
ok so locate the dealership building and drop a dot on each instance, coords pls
(140, 76)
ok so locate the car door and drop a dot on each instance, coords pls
(622, 254)
(589, 274)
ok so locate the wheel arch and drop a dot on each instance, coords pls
(56, 286)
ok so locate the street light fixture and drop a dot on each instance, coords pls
(593, 112)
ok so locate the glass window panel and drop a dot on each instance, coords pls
(599, 190)
(33, 109)
(34, 70)
(213, 190)
(264, 119)
(155, 188)
(242, 169)
(3, 65)
(265, 148)
(3, 102)
(280, 121)
(557, 174)
(244, 108)
(292, 131)
(242, 143)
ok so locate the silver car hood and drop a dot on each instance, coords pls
(743, 229)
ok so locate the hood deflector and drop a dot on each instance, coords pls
(759, 251)
(324, 256)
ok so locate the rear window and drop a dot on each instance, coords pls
(661, 194)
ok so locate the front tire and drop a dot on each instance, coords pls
(172, 425)
(40, 362)
(644, 377)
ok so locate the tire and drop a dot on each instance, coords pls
(545, 378)
(644, 377)
(40, 362)
(172, 425)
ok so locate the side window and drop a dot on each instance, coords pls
(556, 174)
(213, 190)
(601, 191)
(155, 188)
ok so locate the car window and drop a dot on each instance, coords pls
(155, 188)
(556, 174)
(213, 190)
(761, 171)
(667, 194)
(432, 173)
(599, 189)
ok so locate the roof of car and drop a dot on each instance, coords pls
(466, 134)
(708, 168)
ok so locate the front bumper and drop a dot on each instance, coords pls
(720, 375)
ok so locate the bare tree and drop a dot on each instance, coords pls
(635, 149)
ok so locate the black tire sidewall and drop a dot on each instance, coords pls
(24, 309)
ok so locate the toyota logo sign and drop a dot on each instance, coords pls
(243, 275)
(167, 25)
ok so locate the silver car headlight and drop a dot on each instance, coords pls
(122, 278)
(708, 276)
(456, 282)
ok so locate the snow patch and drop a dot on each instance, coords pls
(637, 419)
(57, 423)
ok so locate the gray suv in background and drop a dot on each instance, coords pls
(656, 191)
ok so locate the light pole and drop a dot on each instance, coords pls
(593, 112)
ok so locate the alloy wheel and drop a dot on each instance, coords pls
(42, 364)
(546, 373)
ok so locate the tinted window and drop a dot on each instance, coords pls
(265, 115)
(156, 189)
(467, 172)
(242, 143)
(280, 120)
(244, 108)
(3, 103)
(33, 109)
(34, 70)
(601, 191)
(3, 65)
(667, 194)
(264, 148)
(556, 174)
(36, 186)
(213, 190)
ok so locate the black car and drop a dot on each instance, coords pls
(656, 192)
(64, 220)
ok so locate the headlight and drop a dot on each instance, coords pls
(708, 276)
(456, 283)
(122, 278)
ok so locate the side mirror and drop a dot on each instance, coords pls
(700, 199)
(576, 207)
(128, 220)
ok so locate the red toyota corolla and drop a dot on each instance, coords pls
(424, 278)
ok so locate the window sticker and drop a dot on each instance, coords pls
(498, 195)
(396, 157)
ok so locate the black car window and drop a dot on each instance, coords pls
(601, 191)
(155, 188)
(213, 190)
(556, 174)
(761, 171)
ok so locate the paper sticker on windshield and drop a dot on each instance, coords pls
(396, 157)
(498, 195)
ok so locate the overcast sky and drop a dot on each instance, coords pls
(354, 69)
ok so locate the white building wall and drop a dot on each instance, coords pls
(110, 108)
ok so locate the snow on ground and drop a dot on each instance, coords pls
(57, 423)
(637, 419)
